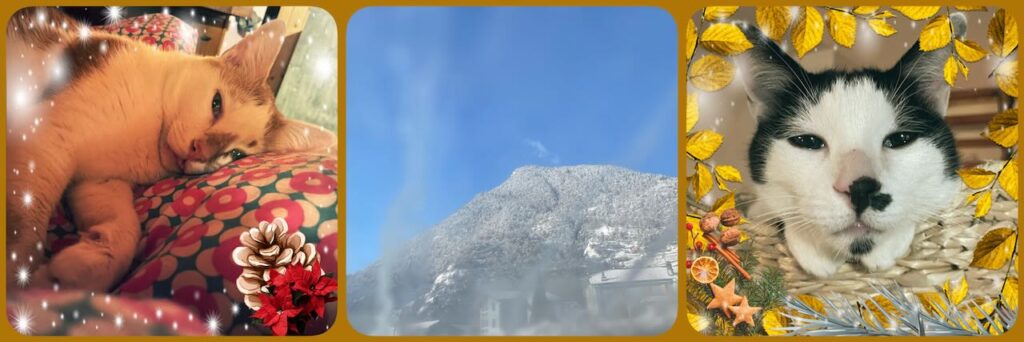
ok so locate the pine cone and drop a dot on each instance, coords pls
(266, 249)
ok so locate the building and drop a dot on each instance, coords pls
(632, 292)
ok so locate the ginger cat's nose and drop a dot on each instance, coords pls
(196, 153)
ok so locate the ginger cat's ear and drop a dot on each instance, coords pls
(297, 136)
(255, 54)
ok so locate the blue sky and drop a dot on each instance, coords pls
(444, 103)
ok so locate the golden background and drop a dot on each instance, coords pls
(342, 10)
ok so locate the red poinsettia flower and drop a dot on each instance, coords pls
(308, 291)
(313, 282)
(317, 289)
(276, 310)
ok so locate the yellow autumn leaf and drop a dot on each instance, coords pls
(808, 31)
(884, 15)
(973, 197)
(980, 308)
(936, 34)
(963, 68)
(970, 8)
(969, 50)
(955, 294)
(698, 322)
(719, 12)
(1003, 128)
(843, 27)
(881, 27)
(726, 39)
(696, 235)
(1008, 178)
(773, 20)
(724, 203)
(917, 12)
(984, 205)
(1006, 77)
(865, 10)
(702, 185)
(691, 39)
(1002, 33)
(875, 307)
(711, 73)
(703, 144)
(994, 249)
(932, 302)
(692, 111)
(728, 173)
(773, 322)
(1010, 295)
(976, 178)
(722, 186)
(949, 71)
(813, 302)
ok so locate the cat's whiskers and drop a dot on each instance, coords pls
(775, 213)
(763, 198)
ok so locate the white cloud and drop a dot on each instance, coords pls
(542, 151)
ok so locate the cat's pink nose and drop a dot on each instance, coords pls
(852, 166)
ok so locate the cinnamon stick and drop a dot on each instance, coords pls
(729, 256)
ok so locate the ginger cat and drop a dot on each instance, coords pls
(125, 114)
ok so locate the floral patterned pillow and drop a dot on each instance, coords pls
(163, 31)
(191, 225)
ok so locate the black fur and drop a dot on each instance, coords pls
(862, 246)
(784, 99)
(864, 193)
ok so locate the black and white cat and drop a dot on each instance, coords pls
(848, 163)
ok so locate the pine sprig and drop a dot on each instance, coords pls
(769, 290)
(698, 293)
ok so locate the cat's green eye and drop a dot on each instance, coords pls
(899, 139)
(216, 106)
(237, 154)
(808, 141)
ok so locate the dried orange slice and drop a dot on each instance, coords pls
(704, 270)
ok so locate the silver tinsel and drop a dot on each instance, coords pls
(843, 318)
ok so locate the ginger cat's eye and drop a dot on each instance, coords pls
(237, 154)
(216, 106)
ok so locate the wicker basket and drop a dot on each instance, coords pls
(942, 250)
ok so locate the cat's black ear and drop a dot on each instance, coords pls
(921, 72)
(769, 73)
(255, 54)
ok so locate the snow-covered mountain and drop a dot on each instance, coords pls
(542, 232)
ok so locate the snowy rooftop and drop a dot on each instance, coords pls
(622, 276)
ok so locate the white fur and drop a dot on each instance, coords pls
(799, 183)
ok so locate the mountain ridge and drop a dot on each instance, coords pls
(567, 220)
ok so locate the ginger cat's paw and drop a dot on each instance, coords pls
(86, 265)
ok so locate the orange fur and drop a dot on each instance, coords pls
(130, 115)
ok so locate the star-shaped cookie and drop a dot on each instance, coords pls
(724, 297)
(744, 313)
